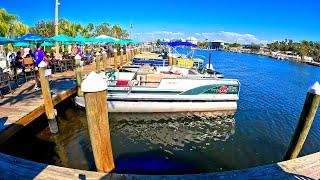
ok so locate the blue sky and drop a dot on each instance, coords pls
(241, 21)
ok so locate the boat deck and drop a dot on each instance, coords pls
(148, 56)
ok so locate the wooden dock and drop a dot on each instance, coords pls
(307, 167)
(25, 105)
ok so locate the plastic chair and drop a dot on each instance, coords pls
(29, 68)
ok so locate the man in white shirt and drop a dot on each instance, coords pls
(3, 58)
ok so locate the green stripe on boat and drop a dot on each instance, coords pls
(213, 89)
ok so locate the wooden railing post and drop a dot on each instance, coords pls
(115, 58)
(104, 60)
(308, 113)
(48, 104)
(78, 75)
(121, 57)
(98, 60)
(95, 94)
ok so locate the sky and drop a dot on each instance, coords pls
(242, 21)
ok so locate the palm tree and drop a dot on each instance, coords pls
(7, 21)
(20, 29)
(103, 29)
(44, 28)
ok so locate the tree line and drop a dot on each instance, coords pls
(10, 26)
(303, 48)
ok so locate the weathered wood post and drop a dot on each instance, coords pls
(129, 54)
(121, 57)
(98, 64)
(104, 60)
(78, 74)
(48, 104)
(308, 113)
(94, 88)
(115, 58)
(170, 60)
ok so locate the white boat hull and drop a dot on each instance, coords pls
(219, 107)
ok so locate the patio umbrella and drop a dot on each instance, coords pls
(62, 38)
(106, 39)
(31, 38)
(122, 42)
(22, 44)
(4, 40)
(133, 42)
(48, 44)
(81, 39)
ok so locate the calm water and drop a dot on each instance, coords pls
(271, 99)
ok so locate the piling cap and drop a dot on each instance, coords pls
(104, 52)
(121, 50)
(77, 57)
(315, 88)
(94, 82)
(115, 51)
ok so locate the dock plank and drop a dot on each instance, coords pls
(306, 167)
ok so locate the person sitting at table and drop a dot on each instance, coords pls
(17, 63)
(30, 54)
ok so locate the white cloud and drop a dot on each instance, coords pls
(230, 37)
(151, 36)
(225, 36)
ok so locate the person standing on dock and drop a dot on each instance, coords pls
(39, 57)
(79, 50)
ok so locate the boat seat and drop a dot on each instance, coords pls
(153, 80)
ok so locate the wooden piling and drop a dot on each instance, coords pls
(115, 58)
(170, 60)
(48, 104)
(94, 87)
(78, 75)
(98, 64)
(121, 57)
(128, 51)
(308, 113)
(104, 61)
(127, 56)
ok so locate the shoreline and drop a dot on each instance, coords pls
(281, 58)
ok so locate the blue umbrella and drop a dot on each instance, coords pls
(31, 38)
(22, 44)
(48, 44)
(5, 40)
(62, 38)
(133, 42)
(81, 39)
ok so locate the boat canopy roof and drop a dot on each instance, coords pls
(178, 43)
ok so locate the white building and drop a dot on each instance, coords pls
(192, 40)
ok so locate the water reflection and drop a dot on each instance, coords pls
(167, 143)
(174, 130)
